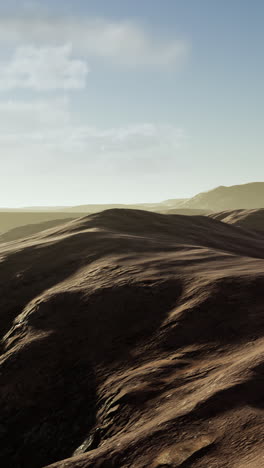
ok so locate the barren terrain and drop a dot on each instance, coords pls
(133, 339)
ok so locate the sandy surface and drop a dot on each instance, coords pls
(133, 339)
(247, 219)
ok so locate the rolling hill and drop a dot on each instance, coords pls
(132, 339)
(247, 219)
(16, 219)
(222, 198)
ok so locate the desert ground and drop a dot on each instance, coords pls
(131, 338)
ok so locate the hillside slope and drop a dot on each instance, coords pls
(247, 219)
(132, 339)
(12, 220)
(29, 229)
(222, 198)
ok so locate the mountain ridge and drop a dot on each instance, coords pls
(240, 196)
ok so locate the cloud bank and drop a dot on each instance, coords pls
(47, 123)
(43, 68)
(41, 133)
(122, 42)
(41, 55)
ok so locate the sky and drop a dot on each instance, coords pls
(120, 101)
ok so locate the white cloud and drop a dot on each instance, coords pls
(44, 68)
(122, 42)
(125, 139)
(45, 127)
(28, 117)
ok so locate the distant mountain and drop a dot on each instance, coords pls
(173, 203)
(222, 198)
(247, 196)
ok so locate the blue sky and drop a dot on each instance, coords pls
(121, 101)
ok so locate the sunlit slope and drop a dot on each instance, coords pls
(247, 219)
(245, 196)
(132, 339)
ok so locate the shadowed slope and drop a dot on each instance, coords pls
(247, 219)
(132, 339)
(13, 219)
(29, 229)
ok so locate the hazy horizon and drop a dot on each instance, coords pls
(143, 202)
(128, 102)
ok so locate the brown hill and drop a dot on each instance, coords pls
(17, 225)
(132, 339)
(248, 219)
(222, 198)
(95, 208)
